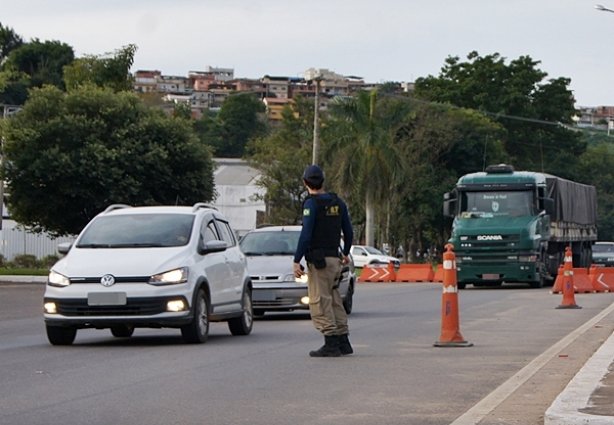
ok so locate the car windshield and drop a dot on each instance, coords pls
(603, 248)
(281, 242)
(491, 204)
(138, 231)
(373, 251)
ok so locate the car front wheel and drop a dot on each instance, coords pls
(61, 336)
(198, 330)
(243, 324)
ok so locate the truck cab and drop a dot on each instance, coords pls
(502, 229)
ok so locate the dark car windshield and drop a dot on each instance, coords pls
(270, 243)
(138, 231)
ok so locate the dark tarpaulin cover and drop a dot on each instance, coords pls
(573, 202)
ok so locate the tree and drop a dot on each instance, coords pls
(595, 167)
(361, 133)
(281, 157)
(13, 87)
(109, 70)
(69, 155)
(239, 121)
(43, 62)
(9, 41)
(533, 110)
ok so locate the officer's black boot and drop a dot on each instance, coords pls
(329, 349)
(344, 345)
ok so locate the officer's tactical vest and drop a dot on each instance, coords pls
(327, 229)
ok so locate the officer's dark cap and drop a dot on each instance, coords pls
(313, 175)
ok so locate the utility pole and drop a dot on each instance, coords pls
(316, 122)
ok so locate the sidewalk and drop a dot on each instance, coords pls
(588, 399)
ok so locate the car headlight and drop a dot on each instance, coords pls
(56, 279)
(171, 277)
(291, 278)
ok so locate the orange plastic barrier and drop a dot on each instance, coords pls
(438, 276)
(569, 300)
(378, 273)
(602, 278)
(582, 281)
(450, 323)
(415, 273)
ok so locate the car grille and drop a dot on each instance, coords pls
(266, 278)
(133, 307)
(121, 279)
(278, 302)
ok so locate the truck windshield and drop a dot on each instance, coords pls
(496, 204)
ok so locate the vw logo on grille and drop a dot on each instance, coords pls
(107, 280)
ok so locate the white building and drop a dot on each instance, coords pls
(237, 192)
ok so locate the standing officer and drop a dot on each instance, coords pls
(325, 217)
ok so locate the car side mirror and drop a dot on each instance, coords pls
(212, 246)
(64, 247)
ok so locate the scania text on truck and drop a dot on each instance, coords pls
(513, 226)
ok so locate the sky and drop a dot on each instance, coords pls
(380, 41)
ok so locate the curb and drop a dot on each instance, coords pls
(13, 279)
(565, 410)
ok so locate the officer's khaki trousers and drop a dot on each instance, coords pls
(325, 303)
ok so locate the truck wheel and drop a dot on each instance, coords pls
(243, 324)
(197, 331)
(539, 284)
(461, 285)
(61, 336)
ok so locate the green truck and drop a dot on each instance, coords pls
(513, 226)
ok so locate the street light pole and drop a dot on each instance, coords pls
(316, 123)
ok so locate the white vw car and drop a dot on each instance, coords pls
(131, 267)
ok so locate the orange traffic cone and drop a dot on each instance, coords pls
(569, 299)
(450, 329)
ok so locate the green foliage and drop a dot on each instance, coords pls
(9, 41)
(43, 62)
(516, 95)
(14, 87)
(110, 70)
(26, 261)
(70, 155)
(361, 139)
(595, 167)
(281, 157)
(240, 119)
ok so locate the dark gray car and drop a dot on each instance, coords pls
(270, 252)
(603, 254)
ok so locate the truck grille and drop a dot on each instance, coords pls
(486, 249)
